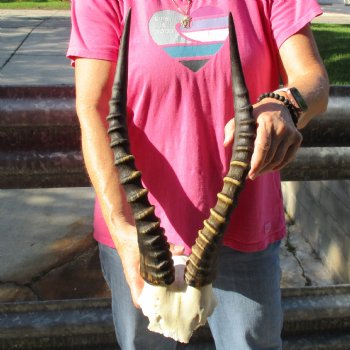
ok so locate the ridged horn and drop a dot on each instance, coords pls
(156, 264)
(201, 266)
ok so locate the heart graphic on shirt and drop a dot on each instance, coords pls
(193, 47)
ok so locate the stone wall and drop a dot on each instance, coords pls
(321, 211)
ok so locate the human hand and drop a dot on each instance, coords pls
(128, 250)
(277, 138)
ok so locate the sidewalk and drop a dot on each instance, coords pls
(38, 225)
(33, 44)
(336, 13)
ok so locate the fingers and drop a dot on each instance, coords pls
(130, 258)
(261, 148)
(229, 132)
(134, 279)
(136, 284)
(277, 139)
(283, 156)
(290, 155)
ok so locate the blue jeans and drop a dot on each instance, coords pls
(248, 315)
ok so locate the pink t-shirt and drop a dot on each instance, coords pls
(180, 98)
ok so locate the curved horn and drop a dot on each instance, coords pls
(201, 266)
(156, 263)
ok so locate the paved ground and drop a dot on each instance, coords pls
(337, 12)
(32, 52)
(33, 44)
(32, 47)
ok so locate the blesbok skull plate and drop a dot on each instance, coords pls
(177, 310)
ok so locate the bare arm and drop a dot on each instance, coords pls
(302, 67)
(277, 139)
(94, 79)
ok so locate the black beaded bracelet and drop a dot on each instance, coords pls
(292, 110)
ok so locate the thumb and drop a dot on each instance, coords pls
(136, 288)
(229, 132)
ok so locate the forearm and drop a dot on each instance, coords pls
(314, 88)
(99, 161)
(94, 79)
(302, 67)
(98, 158)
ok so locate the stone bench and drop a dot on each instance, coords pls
(40, 140)
(314, 318)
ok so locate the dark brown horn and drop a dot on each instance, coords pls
(201, 266)
(156, 263)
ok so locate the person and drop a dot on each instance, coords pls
(180, 124)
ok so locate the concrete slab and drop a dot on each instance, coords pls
(313, 269)
(30, 35)
(18, 22)
(37, 223)
(56, 22)
(341, 192)
(46, 41)
(292, 273)
(11, 39)
(4, 56)
(41, 229)
(332, 18)
(35, 70)
(336, 13)
(337, 8)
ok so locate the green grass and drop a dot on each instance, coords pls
(333, 42)
(35, 4)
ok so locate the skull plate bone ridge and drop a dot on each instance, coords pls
(177, 310)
